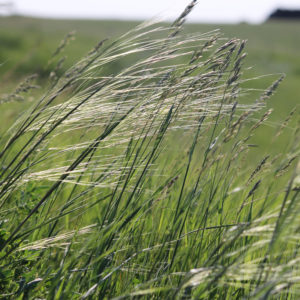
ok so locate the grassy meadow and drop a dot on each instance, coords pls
(161, 163)
(27, 45)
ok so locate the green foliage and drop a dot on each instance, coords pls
(146, 180)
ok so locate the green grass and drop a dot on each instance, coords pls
(144, 171)
(27, 44)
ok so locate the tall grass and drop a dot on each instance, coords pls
(139, 184)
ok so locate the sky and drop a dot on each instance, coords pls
(207, 11)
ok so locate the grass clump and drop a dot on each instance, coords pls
(137, 183)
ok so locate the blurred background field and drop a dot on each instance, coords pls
(28, 43)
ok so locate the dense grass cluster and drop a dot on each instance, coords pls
(139, 183)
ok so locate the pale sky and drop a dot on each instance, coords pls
(214, 11)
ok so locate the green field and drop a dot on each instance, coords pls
(27, 45)
(151, 167)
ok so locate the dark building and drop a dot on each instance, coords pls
(285, 14)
